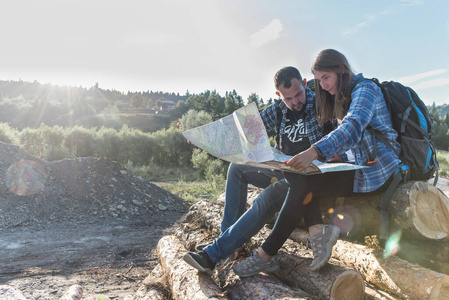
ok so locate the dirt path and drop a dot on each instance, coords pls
(105, 259)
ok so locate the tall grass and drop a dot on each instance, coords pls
(193, 191)
(443, 160)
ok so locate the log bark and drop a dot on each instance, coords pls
(418, 210)
(184, 281)
(429, 254)
(391, 273)
(334, 282)
(261, 286)
(154, 286)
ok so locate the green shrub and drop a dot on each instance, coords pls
(8, 134)
(215, 173)
(200, 160)
(53, 153)
(81, 141)
(173, 149)
(193, 118)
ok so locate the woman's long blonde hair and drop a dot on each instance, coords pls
(328, 106)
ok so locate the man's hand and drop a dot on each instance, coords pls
(302, 160)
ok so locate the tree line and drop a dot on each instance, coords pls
(62, 122)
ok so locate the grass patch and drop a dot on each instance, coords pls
(193, 191)
(184, 182)
(443, 160)
(153, 172)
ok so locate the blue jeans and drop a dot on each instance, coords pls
(238, 178)
(239, 226)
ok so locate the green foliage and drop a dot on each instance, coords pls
(193, 191)
(8, 134)
(192, 119)
(255, 98)
(212, 169)
(200, 161)
(215, 173)
(232, 102)
(179, 109)
(440, 129)
(53, 153)
(81, 141)
(172, 148)
(216, 105)
(136, 101)
(443, 160)
(155, 172)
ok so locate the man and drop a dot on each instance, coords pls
(294, 120)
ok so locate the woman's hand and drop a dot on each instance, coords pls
(302, 160)
(336, 159)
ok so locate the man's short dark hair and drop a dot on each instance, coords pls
(284, 77)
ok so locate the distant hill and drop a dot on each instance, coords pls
(28, 104)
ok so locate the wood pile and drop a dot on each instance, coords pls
(357, 270)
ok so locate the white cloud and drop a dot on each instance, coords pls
(411, 2)
(369, 19)
(432, 83)
(267, 34)
(417, 77)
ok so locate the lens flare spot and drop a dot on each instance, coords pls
(344, 221)
(330, 210)
(307, 199)
(392, 244)
(26, 177)
(274, 179)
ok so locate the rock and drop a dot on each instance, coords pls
(9, 293)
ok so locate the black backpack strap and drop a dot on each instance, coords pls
(434, 160)
(278, 128)
(399, 175)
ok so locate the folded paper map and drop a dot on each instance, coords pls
(241, 138)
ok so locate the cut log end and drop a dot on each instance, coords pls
(441, 290)
(430, 210)
(349, 285)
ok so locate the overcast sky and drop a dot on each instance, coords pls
(179, 45)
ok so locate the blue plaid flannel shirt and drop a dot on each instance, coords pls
(368, 107)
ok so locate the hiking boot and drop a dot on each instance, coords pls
(200, 261)
(232, 256)
(200, 247)
(253, 265)
(322, 244)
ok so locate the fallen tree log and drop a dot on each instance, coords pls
(418, 209)
(154, 286)
(186, 283)
(183, 279)
(334, 283)
(392, 273)
(429, 254)
(261, 286)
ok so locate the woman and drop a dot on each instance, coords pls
(359, 106)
